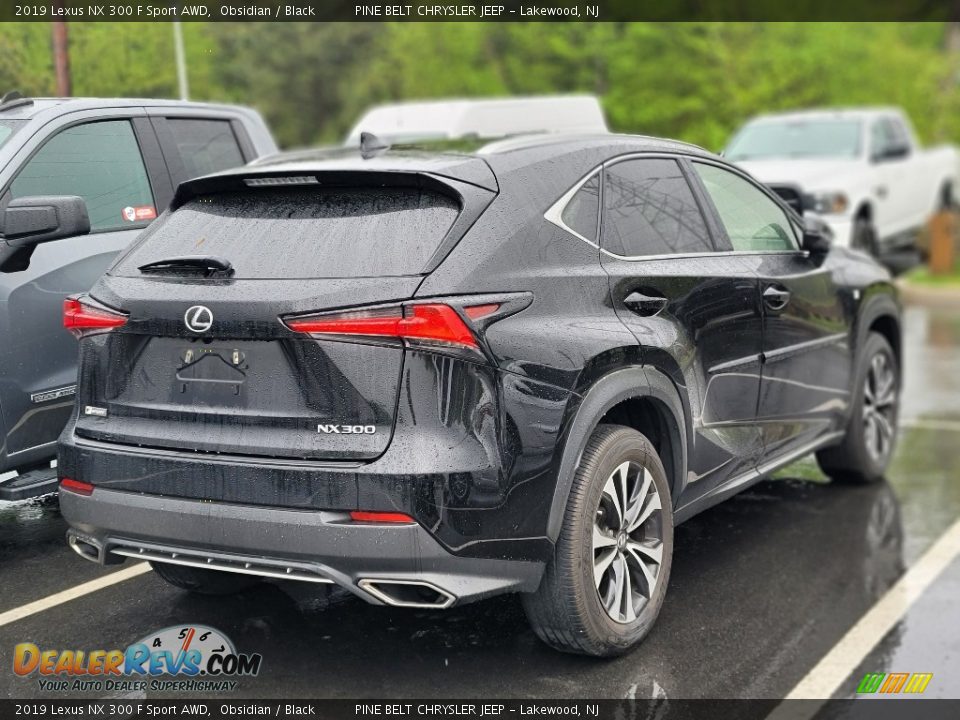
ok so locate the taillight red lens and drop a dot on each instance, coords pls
(380, 517)
(78, 317)
(429, 322)
(75, 486)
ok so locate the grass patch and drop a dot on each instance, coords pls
(923, 276)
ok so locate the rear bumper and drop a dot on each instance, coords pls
(316, 546)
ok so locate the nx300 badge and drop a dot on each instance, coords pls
(347, 429)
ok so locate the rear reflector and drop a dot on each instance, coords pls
(432, 323)
(475, 312)
(381, 517)
(75, 486)
(79, 317)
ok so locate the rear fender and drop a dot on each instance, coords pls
(605, 393)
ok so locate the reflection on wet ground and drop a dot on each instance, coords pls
(762, 587)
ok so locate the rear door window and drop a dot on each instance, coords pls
(100, 162)
(301, 233)
(205, 146)
(649, 209)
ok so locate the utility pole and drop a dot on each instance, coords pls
(61, 56)
(181, 59)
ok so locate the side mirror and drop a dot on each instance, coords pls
(33, 220)
(817, 236)
(28, 221)
(892, 152)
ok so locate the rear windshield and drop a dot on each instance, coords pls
(303, 233)
(9, 127)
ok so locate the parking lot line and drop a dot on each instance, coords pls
(73, 593)
(828, 674)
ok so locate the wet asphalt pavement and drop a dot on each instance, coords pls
(762, 587)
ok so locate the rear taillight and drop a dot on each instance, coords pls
(80, 317)
(431, 324)
(75, 486)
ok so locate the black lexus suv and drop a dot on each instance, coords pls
(433, 377)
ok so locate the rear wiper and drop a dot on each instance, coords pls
(206, 265)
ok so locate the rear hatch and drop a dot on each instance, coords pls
(205, 363)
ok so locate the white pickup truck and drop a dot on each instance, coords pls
(860, 169)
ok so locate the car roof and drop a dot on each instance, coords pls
(28, 108)
(464, 162)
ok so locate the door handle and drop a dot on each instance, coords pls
(644, 305)
(776, 297)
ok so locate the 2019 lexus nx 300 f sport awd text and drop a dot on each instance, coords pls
(429, 377)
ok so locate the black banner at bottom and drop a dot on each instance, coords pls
(874, 708)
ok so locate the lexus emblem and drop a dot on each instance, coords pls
(198, 318)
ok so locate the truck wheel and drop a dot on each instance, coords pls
(864, 237)
(603, 588)
(871, 436)
(202, 581)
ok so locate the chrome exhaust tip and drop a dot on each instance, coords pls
(408, 593)
(87, 549)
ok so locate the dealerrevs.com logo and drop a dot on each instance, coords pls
(200, 658)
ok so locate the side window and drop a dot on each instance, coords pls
(100, 162)
(752, 220)
(205, 146)
(880, 138)
(649, 209)
(583, 210)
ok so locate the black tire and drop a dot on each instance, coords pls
(856, 458)
(864, 237)
(567, 611)
(202, 581)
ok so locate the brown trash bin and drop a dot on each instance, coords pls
(943, 231)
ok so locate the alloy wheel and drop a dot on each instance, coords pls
(879, 407)
(627, 542)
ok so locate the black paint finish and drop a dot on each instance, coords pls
(480, 449)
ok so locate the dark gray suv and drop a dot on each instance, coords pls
(120, 160)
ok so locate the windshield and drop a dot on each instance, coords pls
(8, 128)
(797, 139)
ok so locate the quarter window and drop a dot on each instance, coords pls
(649, 209)
(101, 163)
(581, 213)
(752, 220)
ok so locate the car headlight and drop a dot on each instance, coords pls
(831, 203)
